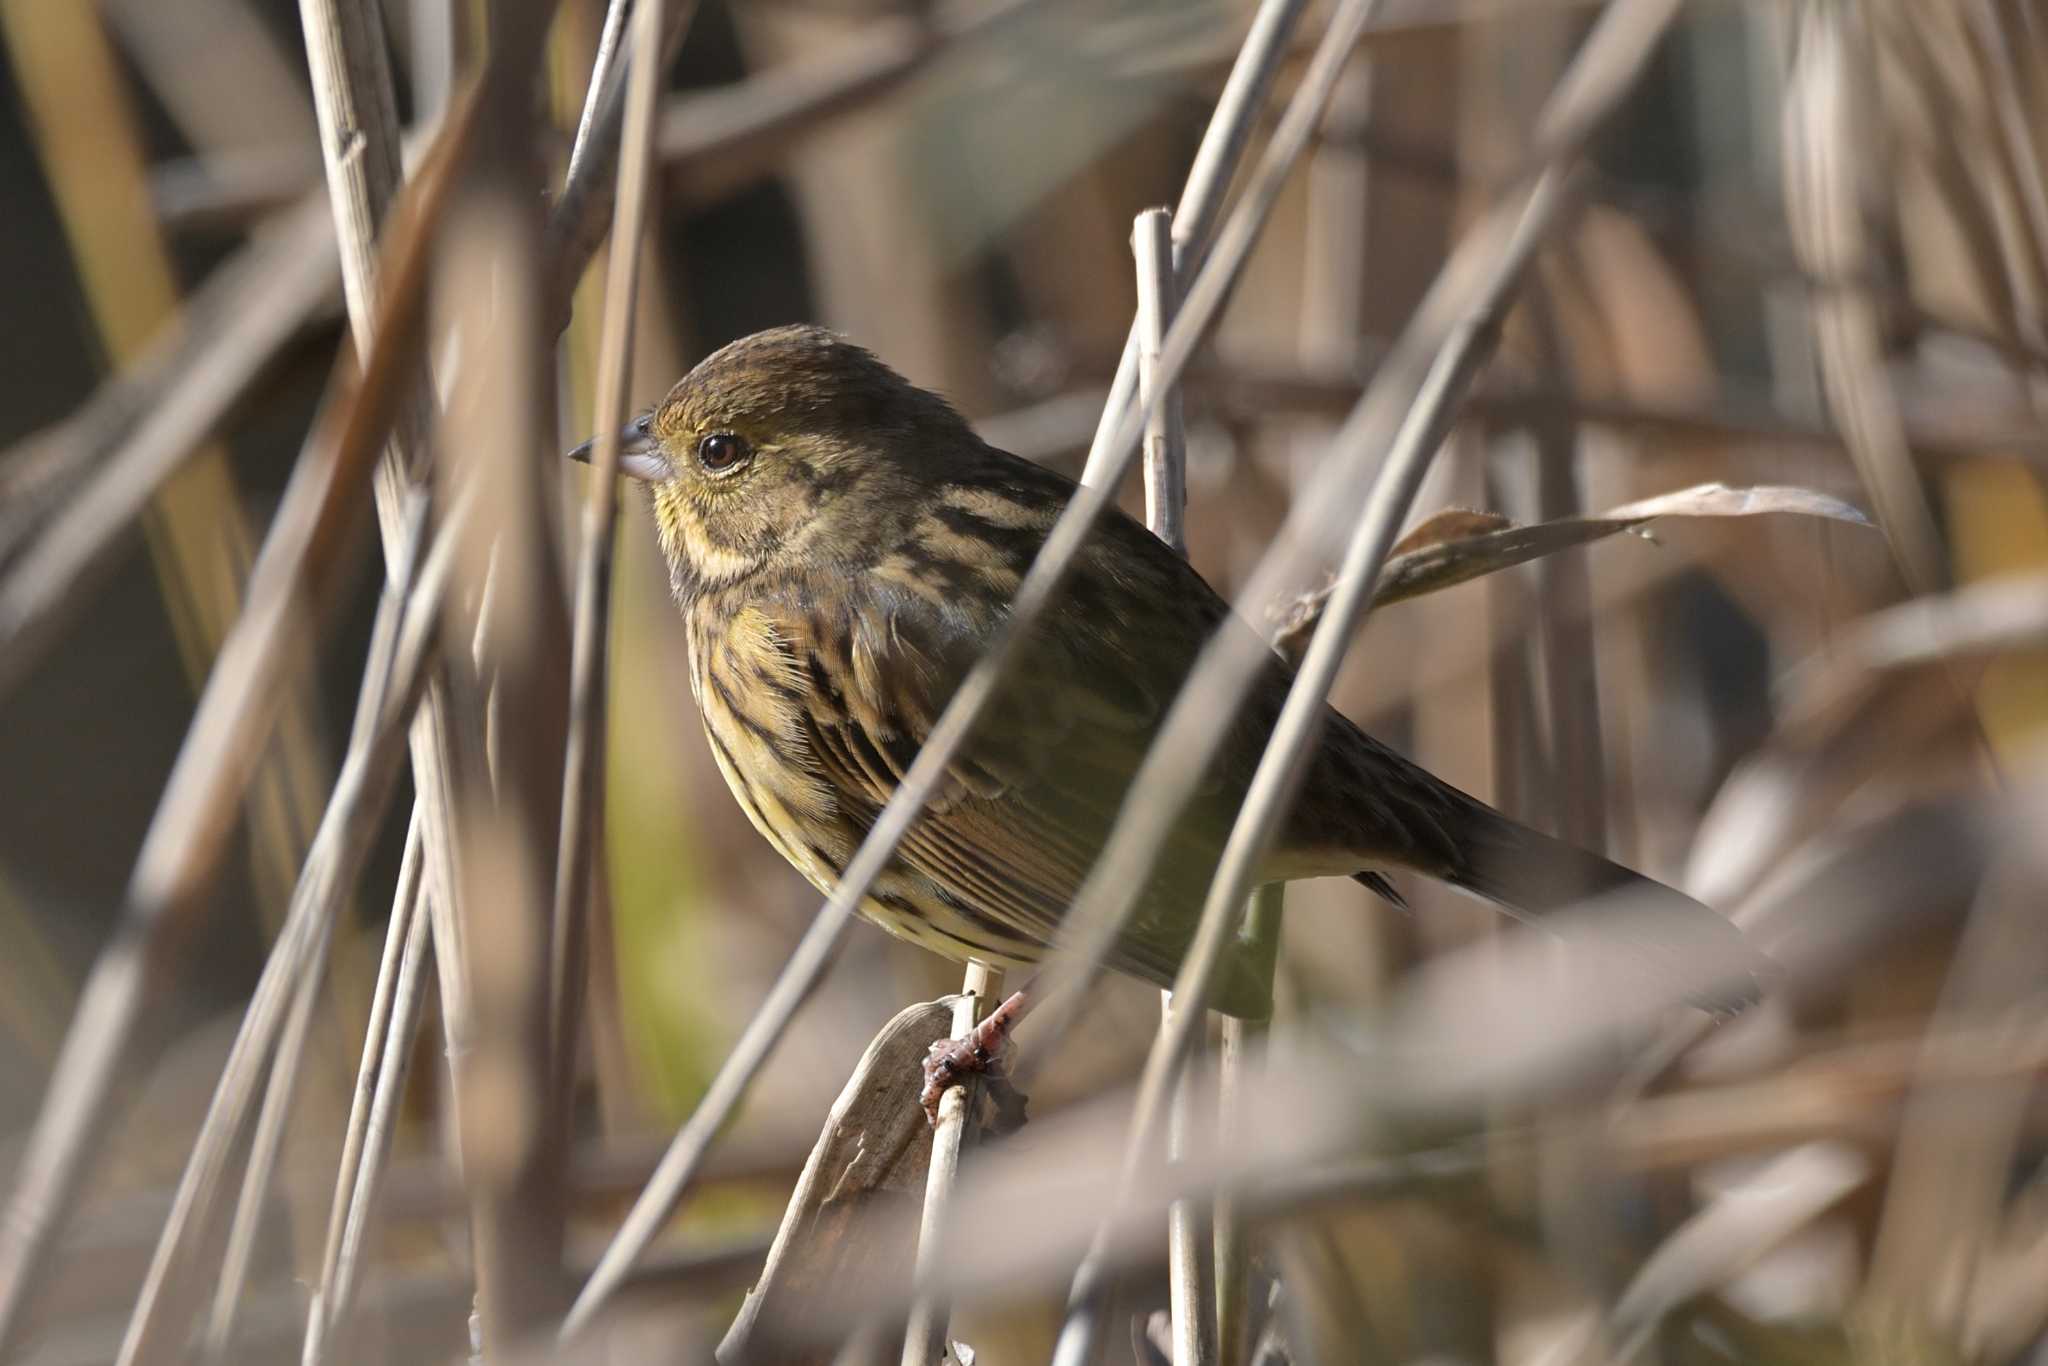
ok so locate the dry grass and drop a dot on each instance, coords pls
(1729, 273)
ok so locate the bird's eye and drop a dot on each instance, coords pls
(721, 451)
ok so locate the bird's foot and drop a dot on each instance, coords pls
(979, 1053)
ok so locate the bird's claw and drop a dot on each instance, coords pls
(951, 1061)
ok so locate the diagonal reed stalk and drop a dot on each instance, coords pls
(386, 1032)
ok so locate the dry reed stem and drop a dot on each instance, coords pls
(582, 212)
(188, 835)
(492, 292)
(378, 1039)
(339, 1291)
(582, 831)
(1959, 1139)
(1056, 427)
(599, 87)
(1745, 1221)
(1236, 1060)
(925, 1341)
(821, 941)
(1191, 1281)
(361, 148)
(287, 1068)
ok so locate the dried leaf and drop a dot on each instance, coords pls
(1457, 546)
(1452, 524)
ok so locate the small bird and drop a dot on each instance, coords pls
(842, 547)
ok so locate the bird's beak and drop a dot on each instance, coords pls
(639, 453)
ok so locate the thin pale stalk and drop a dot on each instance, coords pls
(405, 909)
(189, 833)
(582, 834)
(582, 212)
(271, 1120)
(1190, 1240)
(1241, 1042)
(1189, 1249)
(1035, 595)
(1164, 449)
(361, 148)
(924, 1339)
(601, 68)
(1201, 198)
(356, 101)
(329, 1313)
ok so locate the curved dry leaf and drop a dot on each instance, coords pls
(1457, 546)
(1451, 524)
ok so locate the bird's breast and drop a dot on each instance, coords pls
(752, 688)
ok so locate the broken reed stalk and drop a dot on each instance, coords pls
(582, 832)
(1041, 585)
(925, 1336)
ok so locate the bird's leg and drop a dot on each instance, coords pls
(979, 1051)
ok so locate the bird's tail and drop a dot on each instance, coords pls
(1530, 874)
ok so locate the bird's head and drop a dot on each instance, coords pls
(789, 448)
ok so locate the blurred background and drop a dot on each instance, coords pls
(1809, 251)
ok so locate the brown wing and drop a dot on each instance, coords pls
(1024, 811)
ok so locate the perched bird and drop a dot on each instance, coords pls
(842, 546)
